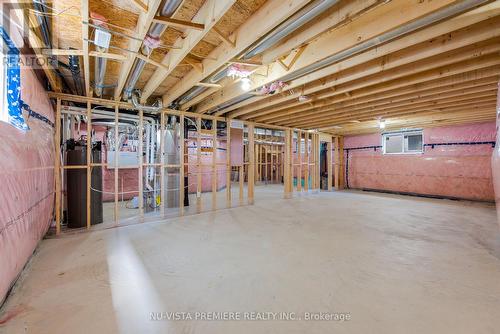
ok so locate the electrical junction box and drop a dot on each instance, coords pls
(102, 38)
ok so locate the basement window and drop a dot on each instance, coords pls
(403, 142)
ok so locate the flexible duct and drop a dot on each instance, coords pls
(432, 18)
(154, 32)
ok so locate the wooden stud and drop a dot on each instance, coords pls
(214, 165)
(198, 164)
(251, 163)
(228, 163)
(329, 165)
(85, 35)
(224, 38)
(117, 151)
(307, 161)
(299, 152)
(163, 198)
(141, 5)
(182, 165)
(57, 166)
(141, 164)
(178, 23)
(89, 161)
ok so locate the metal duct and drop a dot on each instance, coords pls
(100, 71)
(293, 23)
(137, 105)
(432, 18)
(155, 31)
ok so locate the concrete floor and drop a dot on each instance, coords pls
(395, 264)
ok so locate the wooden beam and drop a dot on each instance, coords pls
(329, 165)
(228, 163)
(214, 165)
(210, 13)
(251, 163)
(108, 55)
(198, 165)
(84, 10)
(88, 162)
(140, 5)
(115, 172)
(182, 163)
(210, 85)
(178, 23)
(370, 25)
(225, 38)
(57, 166)
(264, 20)
(449, 85)
(142, 27)
(458, 38)
(151, 61)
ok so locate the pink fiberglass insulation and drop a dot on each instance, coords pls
(27, 179)
(460, 171)
(495, 160)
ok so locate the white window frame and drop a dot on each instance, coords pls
(403, 133)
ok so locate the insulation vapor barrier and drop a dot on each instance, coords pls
(458, 165)
(495, 160)
(27, 179)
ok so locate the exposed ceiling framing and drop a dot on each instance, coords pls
(442, 72)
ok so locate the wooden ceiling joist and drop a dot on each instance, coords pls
(382, 83)
(84, 9)
(448, 31)
(379, 20)
(210, 13)
(399, 100)
(143, 23)
(263, 21)
(178, 23)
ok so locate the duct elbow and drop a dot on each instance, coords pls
(156, 107)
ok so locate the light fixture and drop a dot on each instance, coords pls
(245, 83)
(381, 124)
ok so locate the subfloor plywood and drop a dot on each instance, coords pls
(395, 264)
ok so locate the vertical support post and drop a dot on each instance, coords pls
(214, 165)
(287, 178)
(341, 163)
(251, 163)
(89, 155)
(141, 163)
(308, 162)
(57, 166)
(162, 164)
(228, 163)
(242, 180)
(198, 164)
(181, 164)
(115, 171)
(299, 155)
(329, 165)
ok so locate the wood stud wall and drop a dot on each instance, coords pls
(282, 156)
